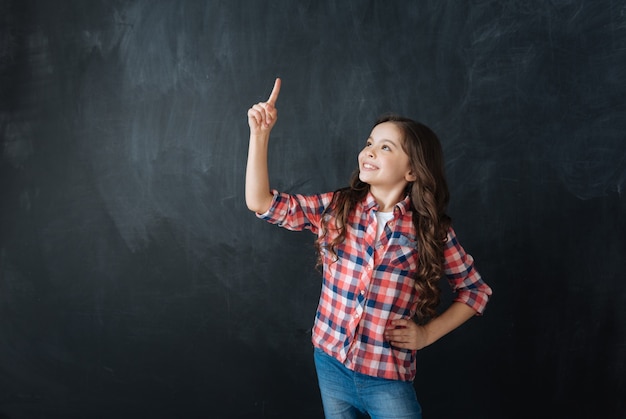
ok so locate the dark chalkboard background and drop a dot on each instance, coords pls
(135, 283)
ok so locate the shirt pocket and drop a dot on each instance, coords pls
(402, 253)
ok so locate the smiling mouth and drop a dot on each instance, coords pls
(368, 166)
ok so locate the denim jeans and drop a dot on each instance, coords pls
(348, 395)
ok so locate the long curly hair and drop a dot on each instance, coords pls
(429, 200)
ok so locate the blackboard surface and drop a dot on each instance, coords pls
(134, 282)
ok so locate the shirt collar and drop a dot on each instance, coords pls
(403, 206)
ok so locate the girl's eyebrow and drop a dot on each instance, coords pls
(384, 140)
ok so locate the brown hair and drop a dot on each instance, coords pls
(429, 199)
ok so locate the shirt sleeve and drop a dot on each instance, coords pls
(463, 277)
(296, 212)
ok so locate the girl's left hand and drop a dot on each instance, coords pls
(406, 334)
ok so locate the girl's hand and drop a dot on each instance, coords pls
(406, 334)
(262, 116)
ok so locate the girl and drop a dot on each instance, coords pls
(383, 243)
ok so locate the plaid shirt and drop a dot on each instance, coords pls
(371, 283)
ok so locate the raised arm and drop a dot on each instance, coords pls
(261, 119)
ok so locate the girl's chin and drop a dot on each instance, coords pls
(364, 179)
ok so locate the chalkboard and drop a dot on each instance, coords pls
(134, 282)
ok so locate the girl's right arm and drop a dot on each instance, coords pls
(261, 119)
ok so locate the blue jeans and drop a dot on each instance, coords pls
(348, 395)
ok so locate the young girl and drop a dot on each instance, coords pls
(383, 243)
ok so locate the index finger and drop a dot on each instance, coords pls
(274, 95)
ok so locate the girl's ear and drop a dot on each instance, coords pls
(410, 177)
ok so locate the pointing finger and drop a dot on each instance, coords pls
(275, 91)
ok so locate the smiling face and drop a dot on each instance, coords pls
(383, 163)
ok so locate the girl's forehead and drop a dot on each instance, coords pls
(387, 131)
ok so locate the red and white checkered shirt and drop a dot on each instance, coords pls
(371, 283)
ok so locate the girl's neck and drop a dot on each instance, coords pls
(387, 199)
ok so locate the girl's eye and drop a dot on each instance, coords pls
(386, 147)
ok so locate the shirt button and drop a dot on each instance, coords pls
(362, 292)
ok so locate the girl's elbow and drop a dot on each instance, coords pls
(251, 205)
(257, 206)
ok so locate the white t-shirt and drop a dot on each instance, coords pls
(382, 218)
